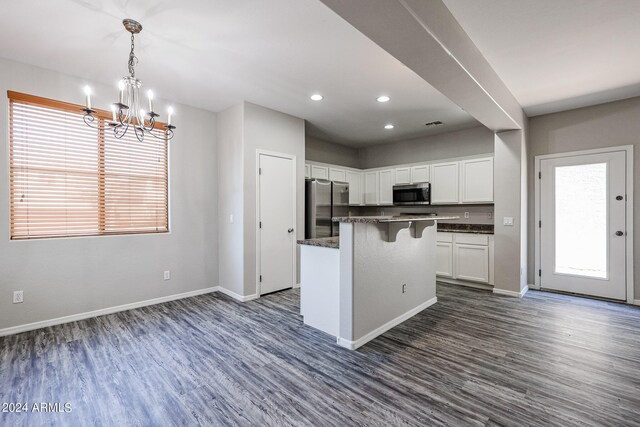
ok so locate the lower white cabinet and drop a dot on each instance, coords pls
(472, 262)
(444, 259)
(464, 256)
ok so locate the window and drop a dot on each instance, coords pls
(67, 179)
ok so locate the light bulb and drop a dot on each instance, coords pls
(389, 126)
(87, 90)
(150, 94)
(170, 111)
(121, 85)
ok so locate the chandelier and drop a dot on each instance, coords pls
(127, 113)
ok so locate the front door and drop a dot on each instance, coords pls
(276, 223)
(582, 227)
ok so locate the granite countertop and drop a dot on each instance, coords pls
(323, 242)
(387, 219)
(466, 228)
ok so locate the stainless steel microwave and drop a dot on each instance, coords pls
(412, 194)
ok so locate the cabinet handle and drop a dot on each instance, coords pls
(619, 233)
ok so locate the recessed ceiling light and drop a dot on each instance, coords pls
(389, 126)
(383, 98)
(316, 97)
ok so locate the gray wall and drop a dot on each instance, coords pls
(468, 142)
(509, 181)
(270, 130)
(329, 152)
(605, 125)
(67, 276)
(231, 198)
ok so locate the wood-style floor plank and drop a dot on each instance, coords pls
(471, 359)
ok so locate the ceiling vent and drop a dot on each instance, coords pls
(434, 124)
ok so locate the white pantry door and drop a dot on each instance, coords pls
(277, 220)
(582, 227)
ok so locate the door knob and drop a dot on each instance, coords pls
(290, 230)
(619, 233)
(619, 197)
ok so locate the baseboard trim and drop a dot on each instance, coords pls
(484, 286)
(237, 297)
(296, 286)
(103, 311)
(511, 293)
(353, 345)
(636, 302)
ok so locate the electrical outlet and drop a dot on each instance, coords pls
(466, 214)
(507, 221)
(167, 275)
(18, 297)
(231, 219)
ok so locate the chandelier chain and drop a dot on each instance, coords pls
(133, 60)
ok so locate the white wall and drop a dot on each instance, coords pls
(606, 125)
(270, 130)
(68, 276)
(322, 151)
(468, 142)
(230, 161)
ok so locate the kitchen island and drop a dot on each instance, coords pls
(380, 273)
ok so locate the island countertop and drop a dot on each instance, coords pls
(323, 242)
(389, 218)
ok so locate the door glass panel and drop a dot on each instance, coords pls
(581, 220)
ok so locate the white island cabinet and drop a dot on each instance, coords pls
(382, 273)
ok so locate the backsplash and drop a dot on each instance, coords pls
(478, 214)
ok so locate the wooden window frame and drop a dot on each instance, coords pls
(102, 116)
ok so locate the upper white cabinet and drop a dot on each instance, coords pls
(337, 175)
(355, 187)
(476, 177)
(452, 182)
(371, 188)
(319, 172)
(387, 180)
(444, 183)
(403, 175)
(420, 173)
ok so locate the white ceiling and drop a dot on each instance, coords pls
(215, 53)
(555, 55)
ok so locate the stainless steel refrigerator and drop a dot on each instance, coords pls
(324, 199)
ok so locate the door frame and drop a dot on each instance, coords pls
(628, 149)
(260, 152)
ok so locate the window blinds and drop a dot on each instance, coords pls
(67, 179)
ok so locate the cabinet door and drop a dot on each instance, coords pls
(387, 179)
(319, 172)
(355, 187)
(371, 188)
(472, 262)
(444, 183)
(307, 171)
(477, 180)
(444, 259)
(337, 175)
(403, 176)
(420, 173)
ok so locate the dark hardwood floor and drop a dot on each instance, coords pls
(471, 359)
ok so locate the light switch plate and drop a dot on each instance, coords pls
(508, 221)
